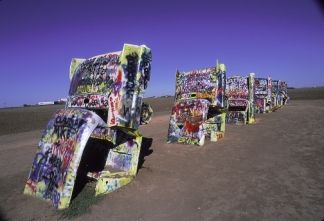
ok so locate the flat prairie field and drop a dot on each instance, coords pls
(271, 170)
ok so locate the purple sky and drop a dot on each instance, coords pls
(283, 39)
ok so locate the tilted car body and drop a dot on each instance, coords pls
(240, 99)
(275, 97)
(199, 106)
(283, 93)
(279, 94)
(96, 133)
(262, 95)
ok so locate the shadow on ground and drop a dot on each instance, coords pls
(145, 151)
(94, 159)
(2, 217)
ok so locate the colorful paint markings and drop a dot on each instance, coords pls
(263, 95)
(146, 114)
(199, 109)
(105, 105)
(121, 165)
(55, 165)
(240, 97)
(186, 122)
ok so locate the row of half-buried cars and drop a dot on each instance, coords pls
(96, 135)
(205, 100)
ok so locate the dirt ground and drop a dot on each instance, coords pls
(272, 170)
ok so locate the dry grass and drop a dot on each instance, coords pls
(22, 119)
(306, 93)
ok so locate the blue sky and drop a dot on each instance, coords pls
(38, 39)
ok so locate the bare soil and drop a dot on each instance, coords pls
(272, 170)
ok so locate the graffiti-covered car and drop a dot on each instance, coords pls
(279, 94)
(239, 94)
(262, 95)
(275, 96)
(199, 106)
(96, 134)
(283, 93)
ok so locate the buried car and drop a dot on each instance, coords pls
(279, 94)
(239, 95)
(283, 93)
(96, 134)
(262, 95)
(199, 107)
(275, 97)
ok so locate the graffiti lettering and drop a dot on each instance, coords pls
(145, 68)
(66, 127)
(94, 75)
(111, 87)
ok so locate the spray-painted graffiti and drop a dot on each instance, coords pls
(206, 84)
(104, 133)
(239, 94)
(186, 123)
(214, 126)
(237, 87)
(88, 101)
(95, 75)
(121, 164)
(59, 148)
(146, 114)
(104, 103)
(283, 91)
(237, 117)
(275, 96)
(238, 103)
(261, 86)
(200, 82)
(263, 95)
(199, 106)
